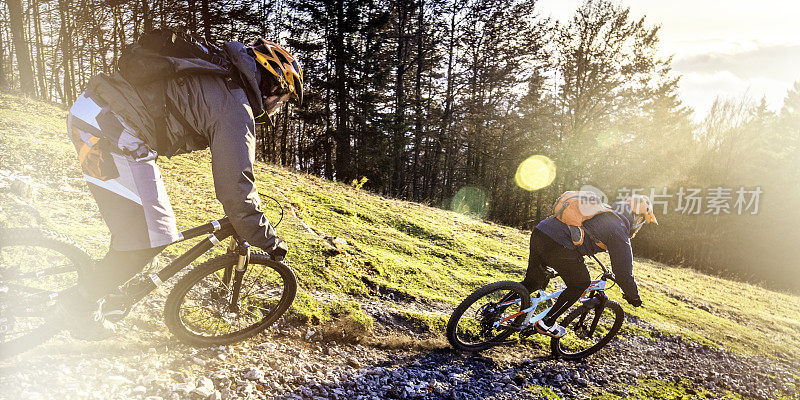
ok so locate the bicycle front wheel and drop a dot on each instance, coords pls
(199, 311)
(589, 328)
(477, 323)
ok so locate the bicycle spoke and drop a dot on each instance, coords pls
(254, 315)
(201, 309)
(254, 280)
(217, 316)
(477, 324)
(225, 285)
(197, 322)
(216, 325)
(590, 330)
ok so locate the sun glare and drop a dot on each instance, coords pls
(470, 200)
(535, 173)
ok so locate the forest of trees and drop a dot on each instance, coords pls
(424, 98)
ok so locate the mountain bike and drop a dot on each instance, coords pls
(490, 315)
(229, 298)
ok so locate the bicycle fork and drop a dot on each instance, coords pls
(243, 249)
(600, 304)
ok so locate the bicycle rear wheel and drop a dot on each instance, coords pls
(198, 311)
(35, 266)
(472, 325)
(589, 328)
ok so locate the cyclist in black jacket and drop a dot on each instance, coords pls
(551, 245)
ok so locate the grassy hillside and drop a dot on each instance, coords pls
(419, 254)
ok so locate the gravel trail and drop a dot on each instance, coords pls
(144, 362)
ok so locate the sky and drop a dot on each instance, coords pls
(730, 48)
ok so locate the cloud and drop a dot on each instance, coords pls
(699, 89)
(756, 71)
(774, 62)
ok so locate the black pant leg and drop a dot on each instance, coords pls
(535, 277)
(114, 269)
(572, 269)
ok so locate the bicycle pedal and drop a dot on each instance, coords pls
(114, 315)
(113, 308)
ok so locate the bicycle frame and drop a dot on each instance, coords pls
(596, 286)
(140, 286)
(218, 230)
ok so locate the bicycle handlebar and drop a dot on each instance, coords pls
(606, 273)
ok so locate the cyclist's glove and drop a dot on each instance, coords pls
(636, 302)
(278, 253)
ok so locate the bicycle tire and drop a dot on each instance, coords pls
(36, 337)
(455, 317)
(172, 307)
(619, 318)
(44, 239)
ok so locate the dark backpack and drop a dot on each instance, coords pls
(159, 56)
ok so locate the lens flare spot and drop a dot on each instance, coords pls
(535, 172)
(470, 200)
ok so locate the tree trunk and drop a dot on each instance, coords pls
(418, 99)
(3, 80)
(328, 161)
(66, 59)
(40, 64)
(284, 136)
(147, 17)
(136, 19)
(206, 16)
(24, 65)
(444, 125)
(399, 138)
(191, 7)
(103, 46)
(116, 42)
(121, 36)
(342, 134)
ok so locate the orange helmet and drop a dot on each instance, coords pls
(281, 64)
(640, 205)
(642, 211)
